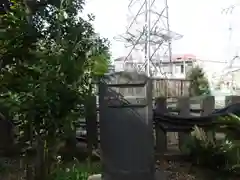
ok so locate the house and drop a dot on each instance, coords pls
(180, 65)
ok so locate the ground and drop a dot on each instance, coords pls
(186, 171)
(10, 169)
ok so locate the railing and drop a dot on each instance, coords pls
(162, 87)
(174, 124)
(170, 87)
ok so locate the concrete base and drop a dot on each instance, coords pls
(95, 177)
(159, 175)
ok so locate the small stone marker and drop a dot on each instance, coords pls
(95, 177)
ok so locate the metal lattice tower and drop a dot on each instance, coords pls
(148, 37)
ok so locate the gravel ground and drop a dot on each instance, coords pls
(186, 171)
(174, 171)
(168, 170)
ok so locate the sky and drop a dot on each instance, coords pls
(204, 28)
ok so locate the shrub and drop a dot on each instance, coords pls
(199, 83)
(222, 154)
(203, 150)
(75, 170)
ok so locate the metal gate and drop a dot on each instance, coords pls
(126, 136)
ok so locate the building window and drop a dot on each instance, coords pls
(182, 68)
(177, 69)
(166, 69)
(188, 68)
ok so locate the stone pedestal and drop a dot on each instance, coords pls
(159, 175)
(95, 177)
(126, 132)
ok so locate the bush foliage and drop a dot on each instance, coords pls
(49, 55)
(199, 83)
(206, 149)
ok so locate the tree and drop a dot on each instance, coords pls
(48, 62)
(32, 5)
(199, 83)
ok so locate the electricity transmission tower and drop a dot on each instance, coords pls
(148, 37)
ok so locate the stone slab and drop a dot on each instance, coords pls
(159, 175)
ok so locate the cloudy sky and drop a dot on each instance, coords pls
(204, 28)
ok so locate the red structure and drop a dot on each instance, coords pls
(184, 57)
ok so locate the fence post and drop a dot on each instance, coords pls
(208, 106)
(160, 135)
(91, 124)
(184, 107)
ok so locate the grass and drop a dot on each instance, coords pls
(76, 171)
